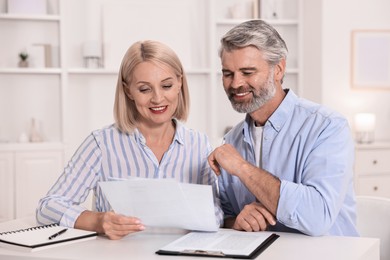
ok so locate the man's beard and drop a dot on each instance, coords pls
(260, 97)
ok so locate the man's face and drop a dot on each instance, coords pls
(247, 78)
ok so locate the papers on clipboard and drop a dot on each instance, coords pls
(224, 243)
(163, 202)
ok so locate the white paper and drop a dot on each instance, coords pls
(163, 202)
(228, 242)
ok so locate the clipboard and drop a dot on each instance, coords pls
(175, 249)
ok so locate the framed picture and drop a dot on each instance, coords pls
(370, 58)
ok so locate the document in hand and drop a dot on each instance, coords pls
(224, 243)
(163, 202)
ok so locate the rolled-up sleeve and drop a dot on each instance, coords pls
(313, 203)
(62, 202)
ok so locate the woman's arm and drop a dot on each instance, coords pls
(114, 226)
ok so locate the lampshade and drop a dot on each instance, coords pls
(365, 127)
(365, 122)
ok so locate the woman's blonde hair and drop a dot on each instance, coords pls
(125, 111)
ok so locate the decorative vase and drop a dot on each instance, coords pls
(23, 64)
(35, 135)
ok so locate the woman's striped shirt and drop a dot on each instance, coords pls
(109, 153)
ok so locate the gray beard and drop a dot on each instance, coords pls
(260, 97)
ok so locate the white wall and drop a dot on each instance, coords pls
(312, 39)
(339, 18)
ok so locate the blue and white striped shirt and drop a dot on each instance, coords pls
(109, 153)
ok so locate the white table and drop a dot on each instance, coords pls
(143, 246)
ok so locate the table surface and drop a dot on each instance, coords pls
(143, 245)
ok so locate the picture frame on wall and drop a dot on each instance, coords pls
(370, 59)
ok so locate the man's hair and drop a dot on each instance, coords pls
(258, 34)
(125, 111)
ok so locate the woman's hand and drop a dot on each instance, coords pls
(114, 226)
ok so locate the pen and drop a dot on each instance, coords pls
(58, 233)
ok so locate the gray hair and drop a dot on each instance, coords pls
(258, 34)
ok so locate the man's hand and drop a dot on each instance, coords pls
(254, 217)
(227, 157)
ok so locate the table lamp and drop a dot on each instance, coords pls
(92, 53)
(365, 127)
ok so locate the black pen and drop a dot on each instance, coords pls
(58, 233)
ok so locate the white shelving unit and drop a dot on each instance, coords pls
(372, 174)
(27, 170)
(70, 101)
(32, 90)
(288, 24)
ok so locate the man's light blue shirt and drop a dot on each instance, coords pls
(310, 149)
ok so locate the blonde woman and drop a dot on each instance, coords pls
(147, 140)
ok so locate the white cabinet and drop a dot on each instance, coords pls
(372, 169)
(6, 186)
(35, 173)
(26, 174)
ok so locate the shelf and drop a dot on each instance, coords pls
(13, 146)
(30, 71)
(196, 71)
(274, 22)
(375, 145)
(86, 71)
(18, 17)
(288, 71)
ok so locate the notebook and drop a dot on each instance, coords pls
(41, 237)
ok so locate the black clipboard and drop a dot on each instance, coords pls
(202, 253)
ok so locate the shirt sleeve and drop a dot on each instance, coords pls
(62, 202)
(312, 204)
(209, 178)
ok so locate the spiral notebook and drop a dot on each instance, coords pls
(42, 237)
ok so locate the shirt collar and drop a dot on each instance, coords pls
(278, 118)
(283, 112)
(179, 133)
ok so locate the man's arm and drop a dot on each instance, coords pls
(263, 185)
(254, 217)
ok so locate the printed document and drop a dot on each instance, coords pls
(163, 202)
(224, 243)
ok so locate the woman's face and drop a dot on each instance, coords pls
(155, 90)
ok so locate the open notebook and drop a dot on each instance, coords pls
(41, 237)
